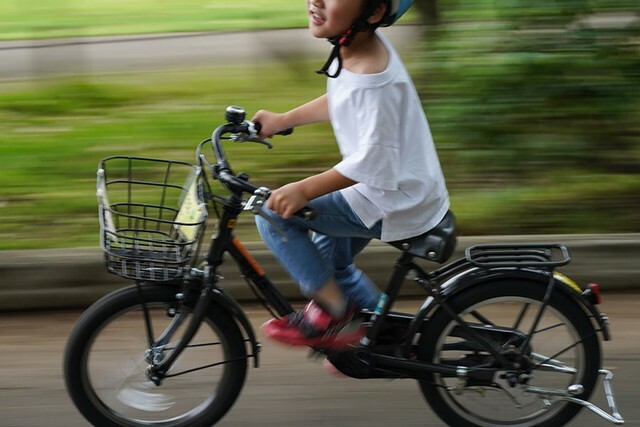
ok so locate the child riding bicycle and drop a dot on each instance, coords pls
(389, 184)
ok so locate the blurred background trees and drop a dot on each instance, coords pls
(541, 94)
(534, 107)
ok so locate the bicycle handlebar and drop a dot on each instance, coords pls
(241, 130)
(285, 132)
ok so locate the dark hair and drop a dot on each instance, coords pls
(369, 8)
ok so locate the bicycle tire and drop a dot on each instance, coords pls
(489, 406)
(111, 326)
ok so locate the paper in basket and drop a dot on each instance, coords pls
(108, 226)
(192, 211)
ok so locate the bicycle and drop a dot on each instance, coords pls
(501, 338)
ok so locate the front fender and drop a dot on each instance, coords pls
(221, 300)
(477, 276)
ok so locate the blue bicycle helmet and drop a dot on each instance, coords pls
(395, 9)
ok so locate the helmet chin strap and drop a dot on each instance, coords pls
(338, 42)
(345, 40)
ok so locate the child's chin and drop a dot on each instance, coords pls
(316, 32)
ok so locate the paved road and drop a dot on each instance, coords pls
(43, 58)
(90, 55)
(288, 389)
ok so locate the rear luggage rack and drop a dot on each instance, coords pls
(518, 255)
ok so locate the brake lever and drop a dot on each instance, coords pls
(244, 137)
(256, 203)
(261, 141)
(251, 135)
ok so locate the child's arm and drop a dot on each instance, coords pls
(290, 198)
(312, 112)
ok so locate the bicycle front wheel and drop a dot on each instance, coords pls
(108, 355)
(559, 350)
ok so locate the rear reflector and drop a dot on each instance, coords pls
(592, 293)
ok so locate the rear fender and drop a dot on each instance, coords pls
(478, 276)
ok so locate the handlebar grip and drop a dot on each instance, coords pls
(285, 132)
(306, 213)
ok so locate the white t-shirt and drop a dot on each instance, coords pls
(386, 146)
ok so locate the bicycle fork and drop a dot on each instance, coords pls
(159, 365)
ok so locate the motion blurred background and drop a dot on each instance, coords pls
(534, 107)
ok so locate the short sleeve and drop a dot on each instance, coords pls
(375, 161)
(372, 165)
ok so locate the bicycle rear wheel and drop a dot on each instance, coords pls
(563, 351)
(108, 354)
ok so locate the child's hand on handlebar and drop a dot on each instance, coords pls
(287, 200)
(271, 123)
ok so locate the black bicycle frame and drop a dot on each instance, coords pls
(370, 359)
(225, 241)
(402, 267)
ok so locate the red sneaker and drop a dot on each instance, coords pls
(314, 327)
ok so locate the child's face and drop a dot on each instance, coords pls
(332, 18)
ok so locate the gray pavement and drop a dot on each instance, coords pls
(33, 59)
(29, 59)
(288, 389)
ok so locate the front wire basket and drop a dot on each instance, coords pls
(152, 215)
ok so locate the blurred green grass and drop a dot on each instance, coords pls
(53, 134)
(72, 18)
(536, 128)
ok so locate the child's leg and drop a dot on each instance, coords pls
(339, 252)
(331, 299)
(291, 243)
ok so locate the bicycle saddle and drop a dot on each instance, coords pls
(436, 244)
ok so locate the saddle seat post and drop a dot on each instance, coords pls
(400, 269)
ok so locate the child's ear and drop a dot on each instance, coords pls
(378, 14)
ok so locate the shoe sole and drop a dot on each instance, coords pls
(339, 341)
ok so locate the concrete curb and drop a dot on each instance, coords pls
(57, 279)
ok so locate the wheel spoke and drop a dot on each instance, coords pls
(548, 328)
(547, 343)
(107, 363)
(212, 365)
(521, 315)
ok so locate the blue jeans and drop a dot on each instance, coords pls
(313, 259)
